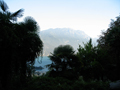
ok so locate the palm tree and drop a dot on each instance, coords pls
(30, 45)
(64, 62)
(7, 37)
(20, 44)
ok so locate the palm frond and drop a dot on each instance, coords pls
(17, 14)
(3, 6)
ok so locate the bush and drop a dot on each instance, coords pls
(59, 83)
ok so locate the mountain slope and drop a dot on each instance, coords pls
(61, 36)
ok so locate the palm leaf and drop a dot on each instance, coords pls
(3, 6)
(17, 14)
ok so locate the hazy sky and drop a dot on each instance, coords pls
(90, 16)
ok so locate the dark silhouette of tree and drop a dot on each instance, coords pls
(30, 45)
(64, 62)
(110, 40)
(92, 61)
(20, 44)
(7, 39)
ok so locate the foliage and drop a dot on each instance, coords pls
(110, 40)
(92, 59)
(64, 62)
(59, 83)
(19, 44)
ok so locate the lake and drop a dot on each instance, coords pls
(45, 61)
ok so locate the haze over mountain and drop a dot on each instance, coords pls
(61, 36)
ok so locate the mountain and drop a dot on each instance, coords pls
(61, 36)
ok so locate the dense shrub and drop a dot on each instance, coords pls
(59, 83)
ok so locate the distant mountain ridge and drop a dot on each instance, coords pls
(61, 36)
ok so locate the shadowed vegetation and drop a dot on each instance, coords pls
(64, 62)
(19, 46)
(89, 68)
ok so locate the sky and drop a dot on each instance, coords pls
(90, 16)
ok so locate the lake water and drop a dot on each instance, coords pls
(45, 61)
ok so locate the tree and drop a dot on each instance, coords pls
(30, 45)
(110, 40)
(7, 38)
(92, 61)
(64, 62)
(20, 44)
